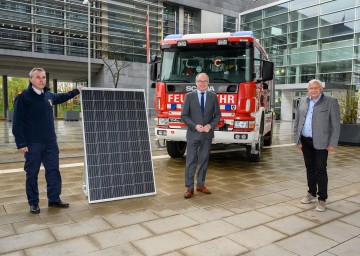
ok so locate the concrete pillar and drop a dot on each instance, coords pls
(181, 20)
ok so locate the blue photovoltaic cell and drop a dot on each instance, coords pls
(118, 161)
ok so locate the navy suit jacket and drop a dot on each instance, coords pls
(191, 114)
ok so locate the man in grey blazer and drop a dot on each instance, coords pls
(201, 113)
(316, 132)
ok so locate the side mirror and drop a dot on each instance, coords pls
(267, 71)
(154, 67)
(153, 71)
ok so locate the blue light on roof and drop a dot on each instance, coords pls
(243, 33)
(175, 36)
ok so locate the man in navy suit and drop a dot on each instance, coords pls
(201, 113)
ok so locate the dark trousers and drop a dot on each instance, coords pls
(48, 155)
(315, 163)
(198, 152)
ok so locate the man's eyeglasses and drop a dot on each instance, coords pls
(202, 81)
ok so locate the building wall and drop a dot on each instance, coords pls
(306, 40)
(211, 22)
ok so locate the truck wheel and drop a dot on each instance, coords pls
(254, 157)
(268, 138)
(176, 149)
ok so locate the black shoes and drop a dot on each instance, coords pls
(34, 209)
(59, 204)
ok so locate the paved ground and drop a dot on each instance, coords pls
(254, 209)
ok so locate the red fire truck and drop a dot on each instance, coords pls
(240, 74)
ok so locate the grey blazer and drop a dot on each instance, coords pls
(325, 121)
(191, 114)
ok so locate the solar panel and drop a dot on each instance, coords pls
(118, 160)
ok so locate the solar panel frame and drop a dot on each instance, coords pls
(117, 148)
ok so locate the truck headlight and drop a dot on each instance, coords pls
(163, 121)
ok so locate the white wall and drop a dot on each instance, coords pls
(211, 22)
(286, 105)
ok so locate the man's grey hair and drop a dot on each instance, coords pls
(201, 74)
(36, 69)
(315, 81)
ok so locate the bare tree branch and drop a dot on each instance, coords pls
(114, 61)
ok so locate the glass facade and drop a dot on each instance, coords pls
(310, 39)
(61, 27)
(229, 24)
(190, 21)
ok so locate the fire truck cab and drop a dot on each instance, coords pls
(240, 74)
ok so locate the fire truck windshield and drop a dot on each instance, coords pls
(221, 65)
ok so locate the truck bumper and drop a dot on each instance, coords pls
(225, 137)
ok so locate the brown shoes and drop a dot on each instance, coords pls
(189, 193)
(203, 189)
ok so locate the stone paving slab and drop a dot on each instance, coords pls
(70, 247)
(254, 209)
(257, 237)
(307, 243)
(79, 229)
(217, 247)
(211, 230)
(26, 240)
(165, 243)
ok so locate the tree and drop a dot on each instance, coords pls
(15, 85)
(115, 62)
(348, 107)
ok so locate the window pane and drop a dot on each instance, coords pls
(251, 16)
(343, 78)
(336, 6)
(301, 58)
(276, 10)
(337, 29)
(297, 4)
(336, 54)
(303, 35)
(304, 49)
(337, 17)
(303, 24)
(282, 18)
(338, 66)
(304, 13)
(229, 24)
(275, 30)
(252, 26)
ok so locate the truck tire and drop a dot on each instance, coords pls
(268, 138)
(176, 149)
(252, 157)
(255, 157)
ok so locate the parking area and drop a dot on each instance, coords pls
(254, 208)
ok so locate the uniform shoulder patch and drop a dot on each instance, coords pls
(20, 92)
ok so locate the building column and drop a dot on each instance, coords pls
(5, 94)
(55, 91)
(181, 20)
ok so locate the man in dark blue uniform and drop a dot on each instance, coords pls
(34, 131)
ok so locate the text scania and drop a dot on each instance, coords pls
(191, 88)
(223, 98)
